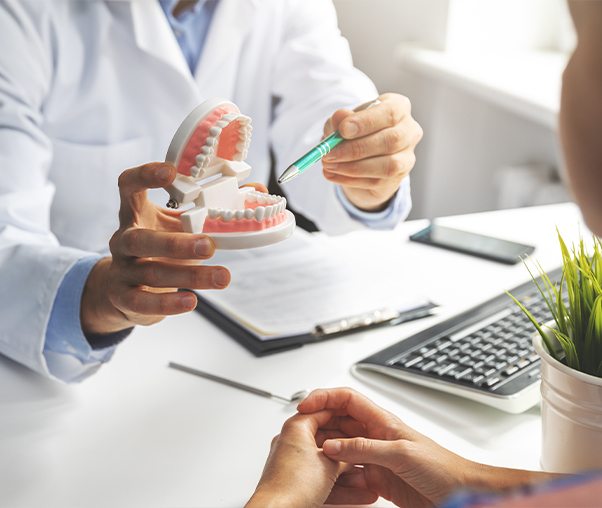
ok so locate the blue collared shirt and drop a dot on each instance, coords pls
(67, 352)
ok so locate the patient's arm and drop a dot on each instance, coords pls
(581, 112)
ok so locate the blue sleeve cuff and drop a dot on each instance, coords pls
(398, 209)
(64, 335)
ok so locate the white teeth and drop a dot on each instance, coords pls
(239, 214)
(227, 215)
(249, 213)
(240, 147)
(200, 159)
(215, 131)
(269, 211)
(206, 150)
(261, 199)
(211, 141)
(230, 117)
(194, 171)
(259, 213)
(212, 213)
(221, 124)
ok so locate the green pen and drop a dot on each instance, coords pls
(317, 153)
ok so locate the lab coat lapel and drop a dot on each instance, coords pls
(154, 35)
(219, 63)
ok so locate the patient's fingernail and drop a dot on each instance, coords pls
(331, 447)
(221, 278)
(350, 129)
(163, 173)
(203, 247)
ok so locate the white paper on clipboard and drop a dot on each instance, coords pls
(289, 288)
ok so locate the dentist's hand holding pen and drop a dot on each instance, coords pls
(378, 152)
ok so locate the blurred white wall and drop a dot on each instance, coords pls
(468, 141)
(376, 27)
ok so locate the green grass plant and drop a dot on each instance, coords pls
(578, 320)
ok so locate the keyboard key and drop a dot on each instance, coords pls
(444, 369)
(440, 359)
(428, 366)
(455, 354)
(500, 353)
(475, 341)
(427, 351)
(523, 363)
(409, 361)
(471, 377)
(463, 373)
(510, 370)
(491, 381)
(487, 371)
(452, 373)
(441, 344)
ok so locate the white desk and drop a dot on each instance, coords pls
(140, 434)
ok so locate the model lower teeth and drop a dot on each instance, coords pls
(261, 211)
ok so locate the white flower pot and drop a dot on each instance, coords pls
(571, 413)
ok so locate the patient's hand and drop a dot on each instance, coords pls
(297, 474)
(400, 464)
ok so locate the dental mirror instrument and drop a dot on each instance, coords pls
(295, 397)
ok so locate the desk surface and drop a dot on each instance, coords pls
(140, 434)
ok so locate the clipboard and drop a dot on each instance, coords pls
(321, 332)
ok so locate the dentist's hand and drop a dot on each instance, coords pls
(379, 153)
(151, 258)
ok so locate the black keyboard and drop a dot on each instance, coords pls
(485, 354)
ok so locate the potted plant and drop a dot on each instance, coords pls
(570, 347)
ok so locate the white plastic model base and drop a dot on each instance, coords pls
(209, 151)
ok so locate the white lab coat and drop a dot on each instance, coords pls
(89, 88)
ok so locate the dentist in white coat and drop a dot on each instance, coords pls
(89, 88)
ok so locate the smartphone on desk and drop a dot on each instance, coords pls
(474, 244)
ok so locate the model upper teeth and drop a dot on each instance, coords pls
(207, 151)
(271, 206)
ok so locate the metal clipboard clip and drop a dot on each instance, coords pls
(372, 319)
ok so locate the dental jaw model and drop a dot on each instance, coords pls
(209, 151)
